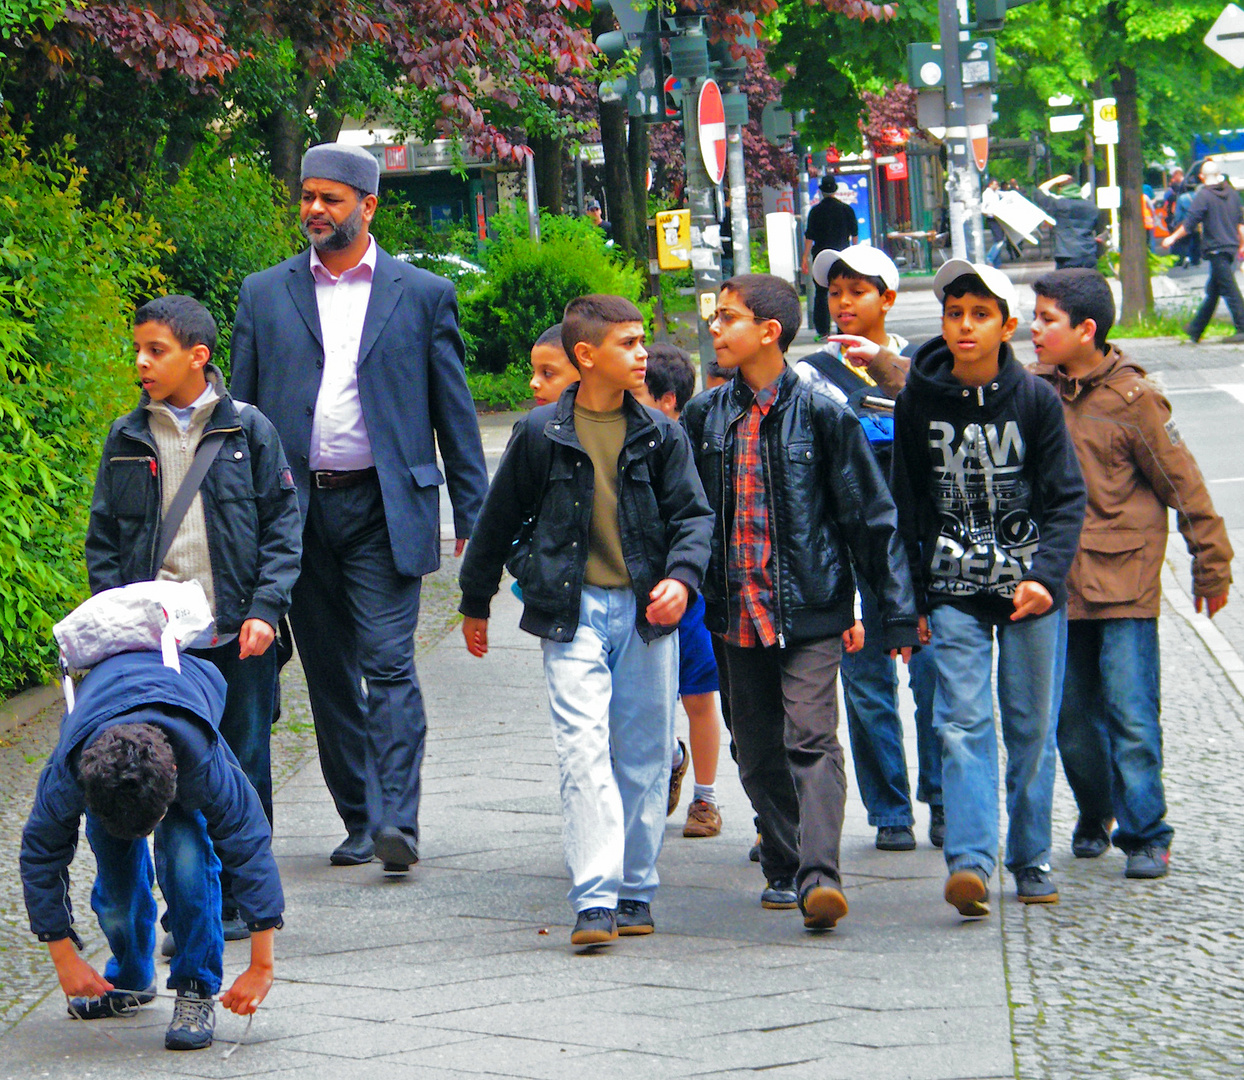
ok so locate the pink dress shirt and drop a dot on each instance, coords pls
(338, 432)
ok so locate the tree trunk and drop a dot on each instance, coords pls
(617, 175)
(637, 152)
(284, 137)
(1133, 240)
(548, 153)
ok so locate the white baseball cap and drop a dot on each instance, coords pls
(994, 280)
(862, 258)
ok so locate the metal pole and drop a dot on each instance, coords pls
(1112, 180)
(964, 184)
(740, 236)
(578, 181)
(533, 205)
(705, 261)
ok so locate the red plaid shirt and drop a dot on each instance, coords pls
(752, 623)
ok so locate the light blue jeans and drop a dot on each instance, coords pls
(612, 700)
(963, 717)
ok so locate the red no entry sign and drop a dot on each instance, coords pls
(712, 117)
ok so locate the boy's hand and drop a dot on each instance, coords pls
(254, 638)
(252, 986)
(669, 602)
(856, 348)
(904, 652)
(459, 546)
(1213, 604)
(1031, 598)
(77, 977)
(923, 634)
(475, 631)
(853, 639)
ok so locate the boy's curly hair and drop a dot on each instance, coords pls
(129, 778)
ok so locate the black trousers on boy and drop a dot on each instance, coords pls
(784, 723)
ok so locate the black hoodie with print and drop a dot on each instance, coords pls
(987, 484)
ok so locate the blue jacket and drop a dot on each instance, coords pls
(538, 512)
(254, 531)
(187, 709)
(412, 387)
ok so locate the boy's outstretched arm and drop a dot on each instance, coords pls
(252, 986)
(77, 977)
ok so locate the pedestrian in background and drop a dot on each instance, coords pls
(1216, 209)
(1135, 466)
(831, 225)
(1075, 222)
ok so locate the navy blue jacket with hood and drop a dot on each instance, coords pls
(137, 688)
(987, 484)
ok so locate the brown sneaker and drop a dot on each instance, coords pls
(676, 775)
(702, 819)
(967, 890)
(822, 907)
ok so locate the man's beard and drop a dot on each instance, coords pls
(341, 236)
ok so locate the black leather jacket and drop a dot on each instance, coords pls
(536, 515)
(828, 506)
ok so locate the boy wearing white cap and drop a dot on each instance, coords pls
(990, 503)
(861, 367)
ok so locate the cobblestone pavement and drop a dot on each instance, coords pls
(26, 974)
(1129, 980)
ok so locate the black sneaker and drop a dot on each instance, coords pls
(780, 895)
(1151, 861)
(594, 926)
(113, 1003)
(234, 926)
(194, 1022)
(634, 918)
(1090, 838)
(896, 838)
(967, 891)
(1035, 885)
(937, 825)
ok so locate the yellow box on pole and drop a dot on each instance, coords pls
(674, 239)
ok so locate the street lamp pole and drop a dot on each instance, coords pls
(964, 185)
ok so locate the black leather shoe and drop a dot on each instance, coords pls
(396, 849)
(896, 838)
(594, 926)
(355, 850)
(1091, 838)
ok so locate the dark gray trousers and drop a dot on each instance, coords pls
(784, 722)
(354, 619)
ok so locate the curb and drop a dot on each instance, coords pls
(24, 707)
(1213, 639)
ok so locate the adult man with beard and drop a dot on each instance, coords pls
(357, 359)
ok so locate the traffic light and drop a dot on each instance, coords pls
(991, 14)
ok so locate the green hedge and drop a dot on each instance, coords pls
(527, 286)
(225, 219)
(67, 276)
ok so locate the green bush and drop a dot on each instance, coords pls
(528, 285)
(68, 276)
(226, 219)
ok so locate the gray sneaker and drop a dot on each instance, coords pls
(1035, 885)
(780, 895)
(194, 1022)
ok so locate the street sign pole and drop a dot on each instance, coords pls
(964, 184)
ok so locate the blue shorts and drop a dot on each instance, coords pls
(697, 667)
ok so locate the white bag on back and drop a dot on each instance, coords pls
(147, 616)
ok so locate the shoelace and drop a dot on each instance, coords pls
(132, 1005)
(194, 1014)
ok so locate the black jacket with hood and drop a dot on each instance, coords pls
(1216, 208)
(988, 487)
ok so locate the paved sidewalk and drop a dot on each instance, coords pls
(465, 968)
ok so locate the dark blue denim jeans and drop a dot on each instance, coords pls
(870, 691)
(1109, 732)
(189, 874)
(246, 724)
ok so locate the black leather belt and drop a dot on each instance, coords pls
(331, 478)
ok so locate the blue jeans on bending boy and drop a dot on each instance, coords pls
(1109, 731)
(963, 717)
(188, 870)
(612, 701)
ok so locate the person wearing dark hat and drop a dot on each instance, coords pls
(593, 211)
(831, 226)
(357, 359)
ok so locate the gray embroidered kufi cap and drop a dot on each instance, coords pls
(343, 163)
